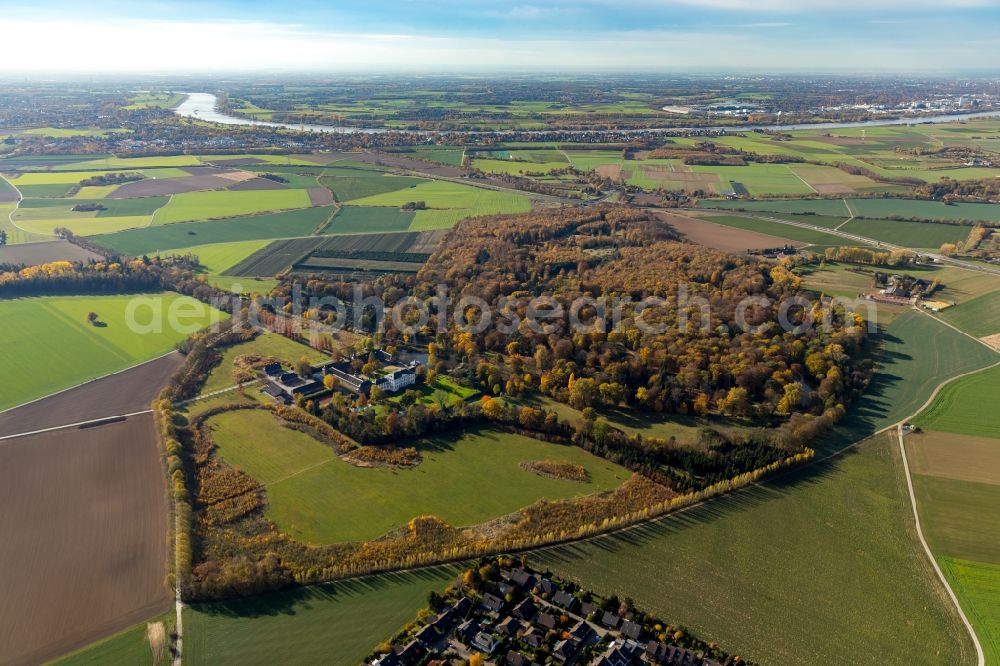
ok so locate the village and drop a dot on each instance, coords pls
(507, 614)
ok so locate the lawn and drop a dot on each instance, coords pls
(336, 624)
(443, 390)
(265, 344)
(812, 566)
(151, 240)
(127, 647)
(209, 205)
(979, 316)
(49, 345)
(320, 499)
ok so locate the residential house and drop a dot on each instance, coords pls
(610, 620)
(510, 626)
(564, 650)
(546, 620)
(565, 600)
(484, 642)
(631, 630)
(492, 603)
(525, 610)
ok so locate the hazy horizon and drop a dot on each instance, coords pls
(559, 36)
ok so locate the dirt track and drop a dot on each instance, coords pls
(129, 391)
(83, 547)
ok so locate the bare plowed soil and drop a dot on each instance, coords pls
(83, 545)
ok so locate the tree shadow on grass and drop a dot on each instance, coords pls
(726, 506)
(295, 600)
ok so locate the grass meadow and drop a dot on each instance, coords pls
(809, 567)
(320, 499)
(50, 345)
(979, 316)
(127, 647)
(265, 344)
(336, 624)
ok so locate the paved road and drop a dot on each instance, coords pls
(126, 392)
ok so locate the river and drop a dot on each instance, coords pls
(202, 107)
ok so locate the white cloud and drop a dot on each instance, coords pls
(193, 47)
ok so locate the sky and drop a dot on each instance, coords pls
(453, 36)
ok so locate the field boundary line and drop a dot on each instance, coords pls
(849, 212)
(980, 657)
(89, 381)
(957, 329)
(804, 181)
(762, 215)
(110, 418)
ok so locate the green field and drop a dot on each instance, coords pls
(907, 234)
(449, 202)
(127, 647)
(318, 498)
(209, 205)
(806, 569)
(369, 220)
(778, 229)
(516, 168)
(219, 257)
(977, 586)
(265, 344)
(295, 223)
(441, 155)
(960, 518)
(336, 624)
(959, 406)
(367, 184)
(871, 208)
(50, 345)
(979, 316)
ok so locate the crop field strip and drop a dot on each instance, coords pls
(956, 477)
(281, 255)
